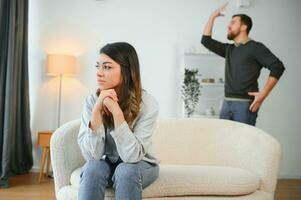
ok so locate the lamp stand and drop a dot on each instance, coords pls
(59, 103)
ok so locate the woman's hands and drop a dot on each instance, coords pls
(108, 103)
(104, 94)
(111, 106)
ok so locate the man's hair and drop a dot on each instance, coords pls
(246, 20)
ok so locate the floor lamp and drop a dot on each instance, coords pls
(60, 65)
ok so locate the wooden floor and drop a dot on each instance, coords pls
(288, 189)
(26, 187)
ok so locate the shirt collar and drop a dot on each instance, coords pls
(242, 42)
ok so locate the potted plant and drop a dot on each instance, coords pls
(190, 91)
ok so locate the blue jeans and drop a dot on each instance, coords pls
(238, 111)
(127, 179)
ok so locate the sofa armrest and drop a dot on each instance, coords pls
(253, 149)
(200, 141)
(65, 153)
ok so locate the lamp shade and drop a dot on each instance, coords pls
(60, 64)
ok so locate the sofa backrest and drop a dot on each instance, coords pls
(198, 141)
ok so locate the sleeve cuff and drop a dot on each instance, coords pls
(124, 127)
(276, 70)
(98, 132)
(274, 76)
(205, 39)
(207, 36)
(276, 73)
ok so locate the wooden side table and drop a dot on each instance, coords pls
(44, 142)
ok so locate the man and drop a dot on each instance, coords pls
(243, 60)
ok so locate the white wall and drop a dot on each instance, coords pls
(160, 31)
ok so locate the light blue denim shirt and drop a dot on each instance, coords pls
(132, 146)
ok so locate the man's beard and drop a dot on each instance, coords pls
(232, 35)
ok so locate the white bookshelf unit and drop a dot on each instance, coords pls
(209, 66)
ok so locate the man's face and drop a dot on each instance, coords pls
(234, 28)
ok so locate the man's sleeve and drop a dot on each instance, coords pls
(268, 60)
(213, 45)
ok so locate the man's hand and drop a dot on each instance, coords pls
(259, 97)
(258, 100)
(219, 12)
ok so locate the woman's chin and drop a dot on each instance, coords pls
(104, 87)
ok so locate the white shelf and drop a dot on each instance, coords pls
(209, 65)
(199, 54)
(205, 116)
(212, 84)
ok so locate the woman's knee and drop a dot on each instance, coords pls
(127, 172)
(96, 169)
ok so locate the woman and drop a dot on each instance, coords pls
(116, 130)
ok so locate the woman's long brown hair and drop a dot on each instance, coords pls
(130, 91)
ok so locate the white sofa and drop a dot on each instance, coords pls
(206, 159)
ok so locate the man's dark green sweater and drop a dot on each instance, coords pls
(243, 65)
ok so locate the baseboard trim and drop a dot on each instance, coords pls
(35, 169)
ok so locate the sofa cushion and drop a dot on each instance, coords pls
(71, 193)
(184, 180)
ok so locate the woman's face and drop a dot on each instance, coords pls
(108, 73)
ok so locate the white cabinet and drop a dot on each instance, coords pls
(210, 67)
